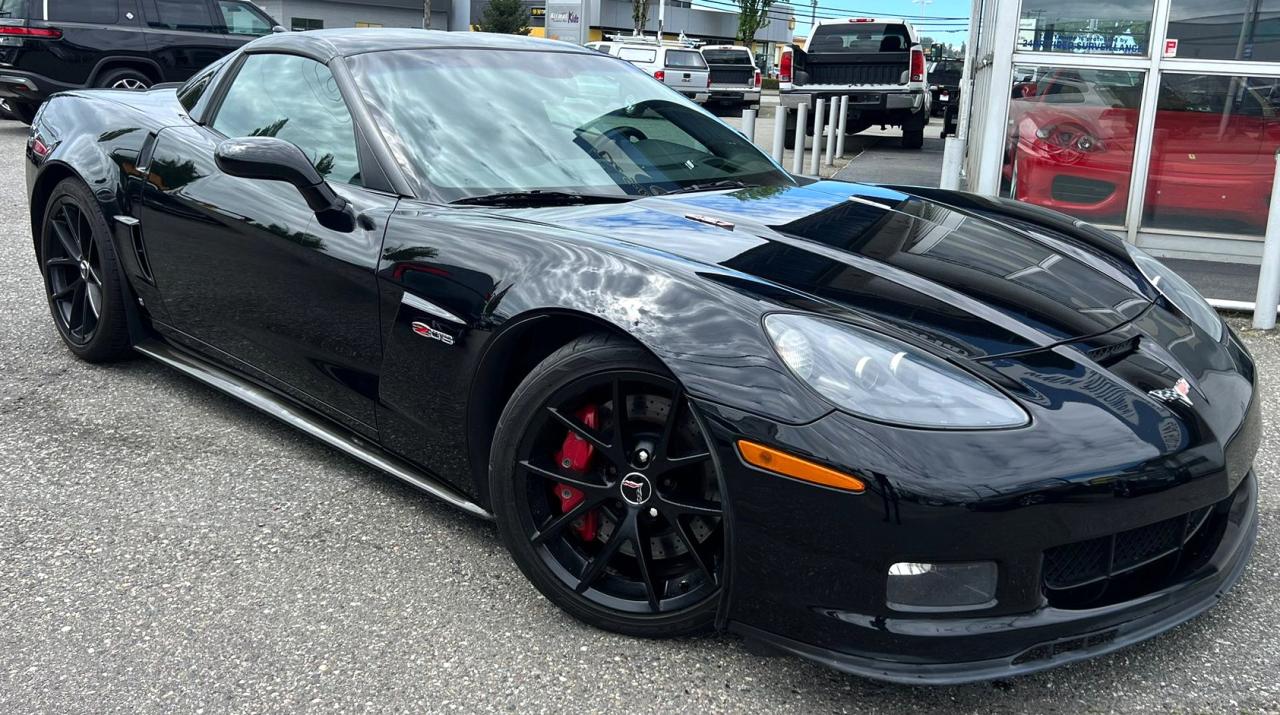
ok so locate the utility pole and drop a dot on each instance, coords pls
(924, 6)
(426, 14)
(813, 15)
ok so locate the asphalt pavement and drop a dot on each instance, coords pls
(164, 549)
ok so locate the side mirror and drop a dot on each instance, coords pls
(272, 159)
(278, 28)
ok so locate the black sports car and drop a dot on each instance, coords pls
(915, 434)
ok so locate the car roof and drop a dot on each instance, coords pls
(324, 45)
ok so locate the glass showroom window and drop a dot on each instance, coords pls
(1120, 27)
(1212, 155)
(1246, 30)
(1071, 138)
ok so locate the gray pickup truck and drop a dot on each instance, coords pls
(735, 81)
(879, 64)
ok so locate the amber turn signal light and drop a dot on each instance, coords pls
(778, 462)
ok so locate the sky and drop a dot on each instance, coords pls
(950, 31)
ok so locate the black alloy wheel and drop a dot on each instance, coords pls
(606, 493)
(81, 275)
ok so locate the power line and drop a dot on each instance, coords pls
(937, 25)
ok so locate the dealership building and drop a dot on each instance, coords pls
(1157, 119)
(714, 21)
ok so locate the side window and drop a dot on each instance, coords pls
(632, 54)
(240, 18)
(105, 12)
(191, 92)
(178, 15)
(311, 114)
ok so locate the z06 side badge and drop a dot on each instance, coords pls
(427, 331)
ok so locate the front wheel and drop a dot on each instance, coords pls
(82, 278)
(606, 494)
(124, 79)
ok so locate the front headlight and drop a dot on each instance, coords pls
(885, 379)
(1177, 291)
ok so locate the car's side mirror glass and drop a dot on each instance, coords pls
(272, 159)
(278, 28)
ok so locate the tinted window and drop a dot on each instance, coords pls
(241, 19)
(101, 11)
(549, 120)
(191, 92)
(727, 57)
(686, 59)
(178, 15)
(302, 24)
(311, 114)
(13, 8)
(637, 54)
(1121, 28)
(860, 37)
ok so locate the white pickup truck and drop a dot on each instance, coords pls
(878, 63)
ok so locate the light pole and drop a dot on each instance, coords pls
(924, 6)
(813, 15)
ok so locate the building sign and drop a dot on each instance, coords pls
(537, 12)
(1170, 48)
(565, 21)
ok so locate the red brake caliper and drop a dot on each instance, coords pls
(575, 454)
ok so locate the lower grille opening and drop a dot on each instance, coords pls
(1078, 190)
(1130, 564)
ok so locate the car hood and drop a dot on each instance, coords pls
(968, 284)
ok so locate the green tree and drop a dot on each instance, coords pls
(508, 17)
(752, 15)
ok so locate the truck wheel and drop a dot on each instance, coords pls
(912, 138)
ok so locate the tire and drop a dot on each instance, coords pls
(643, 595)
(123, 78)
(912, 138)
(78, 262)
(24, 112)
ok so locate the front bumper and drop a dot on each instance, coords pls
(1049, 637)
(1100, 460)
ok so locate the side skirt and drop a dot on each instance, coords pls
(283, 410)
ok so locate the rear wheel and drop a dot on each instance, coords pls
(81, 276)
(913, 138)
(124, 79)
(605, 491)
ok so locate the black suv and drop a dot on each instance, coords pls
(47, 46)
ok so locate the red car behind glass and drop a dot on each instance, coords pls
(1072, 138)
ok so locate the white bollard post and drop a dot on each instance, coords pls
(779, 133)
(797, 159)
(831, 133)
(1264, 304)
(844, 117)
(952, 159)
(749, 124)
(817, 136)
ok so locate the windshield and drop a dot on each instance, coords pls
(728, 57)
(860, 37)
(466, 123)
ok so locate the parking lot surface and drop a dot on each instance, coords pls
(165, 549)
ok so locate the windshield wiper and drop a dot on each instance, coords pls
(539, 197)
(713, 185)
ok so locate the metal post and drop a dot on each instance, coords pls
(844, 117)
(749, 124)
(952, 159)
(831, 133)
(1264, 304)
(779, 133)
(816, 159)
(802, 118)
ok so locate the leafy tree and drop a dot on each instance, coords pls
(752, 15)
(508, 17)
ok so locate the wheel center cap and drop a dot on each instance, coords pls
(636, 489)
